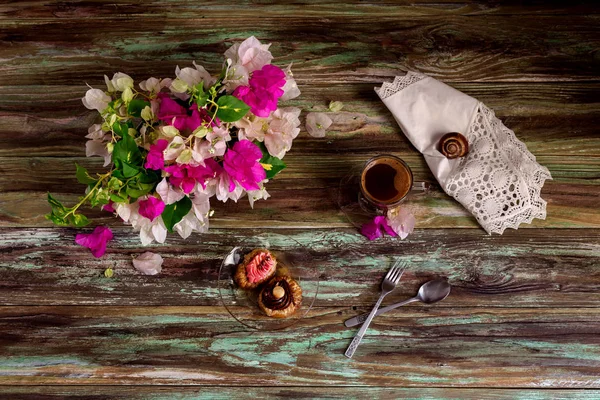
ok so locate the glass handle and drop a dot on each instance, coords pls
(421, 187)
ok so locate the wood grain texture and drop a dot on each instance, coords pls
(454, 347)
(296, 392)
(522, 319)
(525, 268)
(330, 49)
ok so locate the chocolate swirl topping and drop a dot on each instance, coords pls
(272, 302)
(453, 145)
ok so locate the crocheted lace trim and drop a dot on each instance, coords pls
(388, 89)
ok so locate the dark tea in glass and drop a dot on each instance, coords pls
(385, 181)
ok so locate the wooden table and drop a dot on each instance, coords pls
(523, 319)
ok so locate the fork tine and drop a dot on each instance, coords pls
(389, 274)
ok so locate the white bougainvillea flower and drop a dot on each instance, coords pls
(152, 85)
(284, 127)
(317, 124)
(190, 223)
(201, 205)
(148, 263)
(95, 132)
(255, 195)
(149, 230)
(252, 127)
(251, 54)
(290, 89)
(401, 220)
(121, 81)
(169, 193)
(174, 149)
(214, 144)
(193, 76)
(96, 99)
(98, 148)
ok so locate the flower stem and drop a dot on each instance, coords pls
(87, 196)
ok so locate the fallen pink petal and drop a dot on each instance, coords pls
(95, 241)
(148, 263)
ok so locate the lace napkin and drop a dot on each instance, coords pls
(498, 181)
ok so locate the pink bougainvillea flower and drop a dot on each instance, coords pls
(151, 208)
(155, 158)
(109, 207)
(241, 162)
(173, 113)
(264, 90)
(95, 241)
(186, 176)
(402, 221)
(373, 230)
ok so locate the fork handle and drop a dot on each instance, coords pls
(361, 332)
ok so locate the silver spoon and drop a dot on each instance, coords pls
(429, 293)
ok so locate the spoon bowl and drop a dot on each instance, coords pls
(434, 291)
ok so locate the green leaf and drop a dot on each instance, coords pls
(80, 220)
(272, 165)
(150, 176)
(83, 176)
(129, 171)
(59, 214)
(56, 205)
(114, 183)
(201, 100)
(231, 108)
(119, 197)
(136, 106)
(99, 197)
(126, 151)
(120, 129)
(57, 220)
(175, 212)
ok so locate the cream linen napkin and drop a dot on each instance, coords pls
(498, 181)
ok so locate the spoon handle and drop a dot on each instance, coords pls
(359, 319)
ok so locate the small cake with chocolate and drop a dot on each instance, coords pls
(257, 267)
(280, 297)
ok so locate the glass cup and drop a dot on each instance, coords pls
(385, 182)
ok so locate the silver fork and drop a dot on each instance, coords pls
(389, 283)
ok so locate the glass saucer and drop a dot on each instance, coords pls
(354, 206)
(293, 259)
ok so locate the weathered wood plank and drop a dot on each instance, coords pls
(445, 347)
(304, 195)
(551, 118)
(525, 268)
(332, 49)
(99, 10)
(134, 392)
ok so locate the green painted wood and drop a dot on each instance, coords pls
(442, 347)
(286, 392)
(524, 268)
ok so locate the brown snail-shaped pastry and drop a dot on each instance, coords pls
(453, 145)
(280, 297)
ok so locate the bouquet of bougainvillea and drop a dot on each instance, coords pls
(172, 144)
